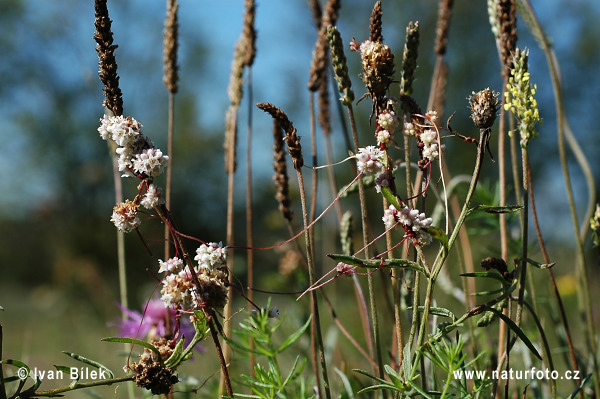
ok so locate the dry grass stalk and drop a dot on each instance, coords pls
(375, 25)
(317, 13)
(324, 115)
(281, 176)
(108, 64)
(291, 135)
(441, 39)
(318, 66)
(170, 45)
(245, 51)
(507, 20)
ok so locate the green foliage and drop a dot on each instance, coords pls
(269, 381)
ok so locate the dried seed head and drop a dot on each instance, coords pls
(291, 136)
(318, 67)
(484, 107)
(170, 47)
(507, 38)
(499, 265)
(409, 58)
(441, 39)
(150, 373)
(378, 69)
(113, 98)
(281, 176)
(375, 25)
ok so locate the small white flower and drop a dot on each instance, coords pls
(125, 216)
(409, 129)
(428, 137)
(413, 222)
(211, 256)
(432, 116)
(389, 217)
(122, 130)
(150, 162)
(369, 160)
(153, 197)
(388, 121)
(171, 265)
(383, 136)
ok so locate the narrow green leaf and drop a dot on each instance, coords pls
(516, 329)
(390, 197)
(296, 370)
(439, 235)
(376, 263)
(438, 312)
(393, 376)
(491, 292)
(496, 209)
(489, 274)
(176, 356)
(91, 363)
(380, 386)
(576, 391)
(346, 383)
(540, 265)
(125, 340)
(294, 337)
(381, 380)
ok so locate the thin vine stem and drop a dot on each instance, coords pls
(365, 233)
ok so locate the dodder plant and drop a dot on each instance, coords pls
(423, 349)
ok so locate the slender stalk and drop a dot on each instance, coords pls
(366, 240)
(563, 127)
(249, 213)
(312, 278)
(228, 311)
(443, 254)
(552, 280)
(2, 388)
(224, 371)
(73, 387)
(524, 239)
(169, 182)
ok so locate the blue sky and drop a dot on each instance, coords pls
(285, 40)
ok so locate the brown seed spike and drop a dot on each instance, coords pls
(281, 177)
(318, 67)
(291, 136)
(170, 45)
(508, 33)
(443, 25)
(375, 26)
(108, 64)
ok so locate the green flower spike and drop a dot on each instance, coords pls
(520, 97)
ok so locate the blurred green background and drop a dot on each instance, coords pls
(58, 270)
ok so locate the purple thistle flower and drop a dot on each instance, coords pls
(140, 326)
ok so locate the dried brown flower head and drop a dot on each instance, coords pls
(484, 107)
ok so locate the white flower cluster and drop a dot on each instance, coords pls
(387, 124)
(125, 216)
(171, 265)
(431, 146)
(153, 197)
(179, 290)
(137, 154)
(409, 129)
(413, 222)
(369, 160)
(211, 256)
